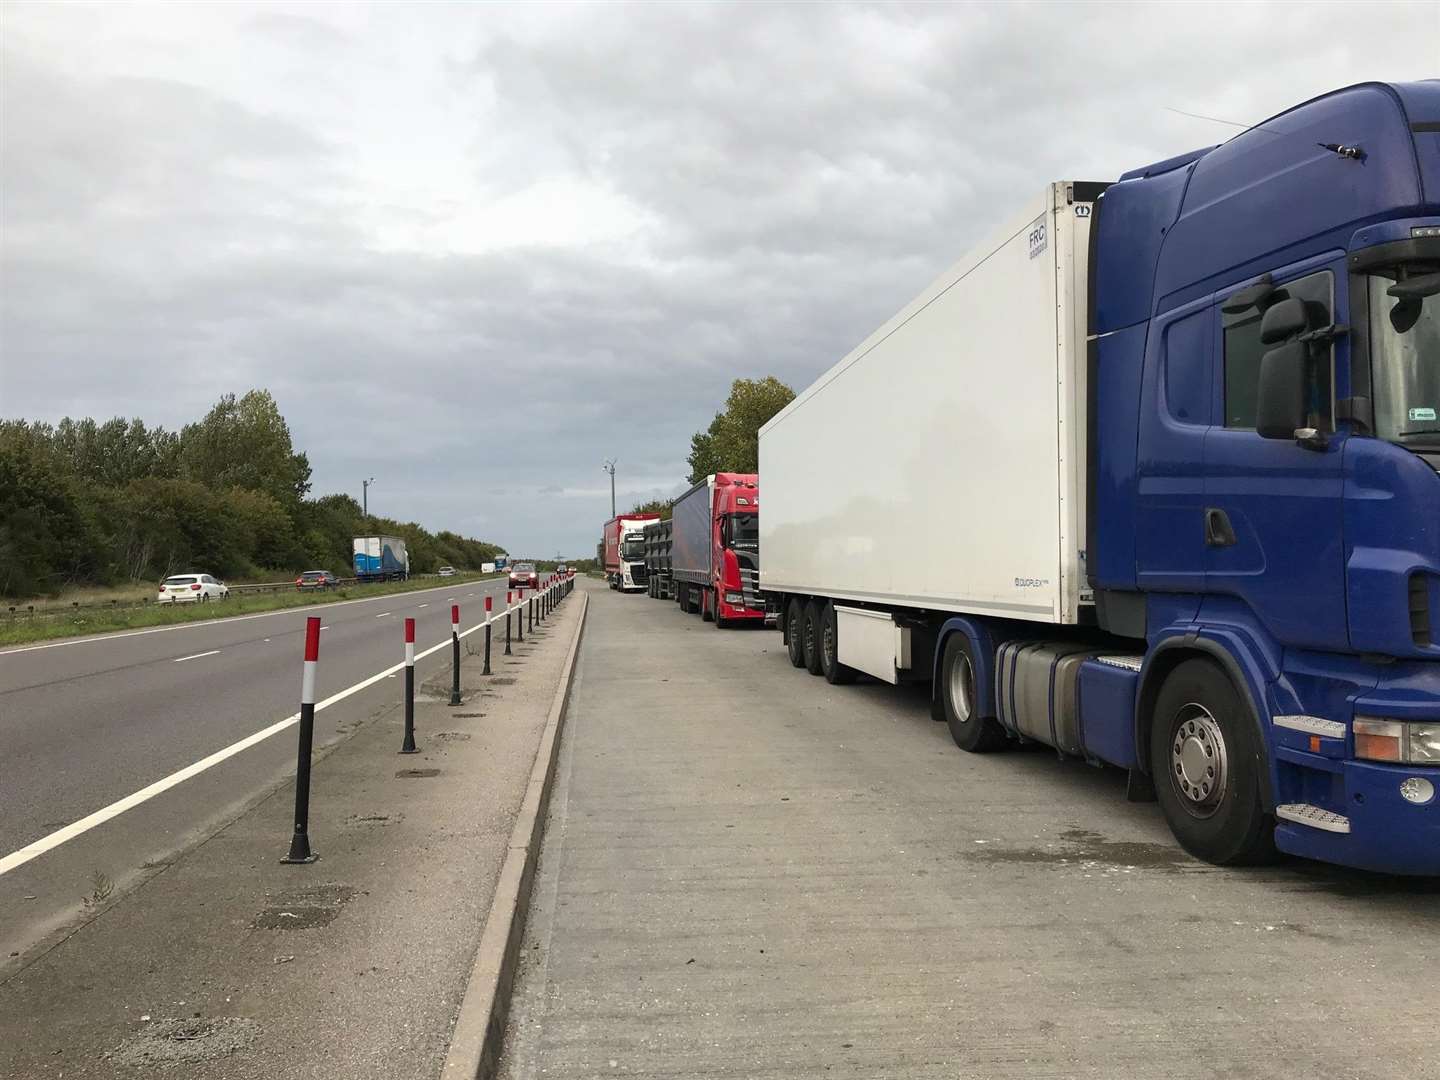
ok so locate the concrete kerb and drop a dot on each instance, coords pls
(475, 1041)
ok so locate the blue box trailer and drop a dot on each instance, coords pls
(381, 558)
(1242, 475)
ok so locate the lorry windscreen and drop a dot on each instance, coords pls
(1405, 365)
(743, 529)
(633, 548)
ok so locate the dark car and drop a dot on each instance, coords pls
(317, 579)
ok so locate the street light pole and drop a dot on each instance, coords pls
(609, 466)
(365, 497)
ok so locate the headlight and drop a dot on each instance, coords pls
(1395, 740)
(734, 598)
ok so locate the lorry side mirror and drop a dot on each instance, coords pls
(1280, 402)
(1283, 321)
(1252, 296)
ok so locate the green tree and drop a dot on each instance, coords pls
(245, 443)
(656, 506)
(732, 441)
(46, 537)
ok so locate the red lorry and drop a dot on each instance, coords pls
(623, 554)
(715, 549)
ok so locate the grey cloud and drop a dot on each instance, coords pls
(798, 173)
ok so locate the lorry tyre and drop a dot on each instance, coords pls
(707, 605)
(810, 636)
(836, 673)
(720, 624)
(1207, 762)
(795, 631)
(972, 732)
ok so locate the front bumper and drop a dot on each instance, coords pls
(1387, 833)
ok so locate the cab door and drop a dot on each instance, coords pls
(1273, 516)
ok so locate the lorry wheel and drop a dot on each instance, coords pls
(720, 624)
(795, 632)
(707, 605)
(810, 636)
(1207, 762)
(972, 732)
(836, 673)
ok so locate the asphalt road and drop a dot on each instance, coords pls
(88, 722)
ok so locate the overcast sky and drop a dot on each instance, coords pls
(473, 250)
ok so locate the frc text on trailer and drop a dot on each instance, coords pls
(1161, 460)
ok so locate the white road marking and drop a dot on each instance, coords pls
(322, 628)
(129, 802)
(424, 605)
(93, 638)
(197, 656)
(382, 614)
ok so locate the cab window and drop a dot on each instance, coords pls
(1243, 351)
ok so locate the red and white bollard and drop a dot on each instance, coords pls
(455, 654)
(300, 840)
(408, 746)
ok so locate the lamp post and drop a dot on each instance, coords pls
(609, 466)
(365, 496)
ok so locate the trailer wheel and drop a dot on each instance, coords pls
(810, 636)
(795, 632)
(972, 732)
(1207, 762)
(836, 673)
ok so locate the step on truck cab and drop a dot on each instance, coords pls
(1162, 455)
(623, 551)
(715, 549)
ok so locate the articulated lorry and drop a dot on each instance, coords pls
(715, 549)
(1151, 477)
(381, 558)
(657, 559)
(623, 550)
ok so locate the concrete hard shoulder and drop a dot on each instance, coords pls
(351, 967)
(747, 872)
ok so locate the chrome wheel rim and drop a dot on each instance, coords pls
(1199, 761)
(961, 679)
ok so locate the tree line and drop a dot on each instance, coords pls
(732, 441)
(87, 503)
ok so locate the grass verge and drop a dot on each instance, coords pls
(20, 630)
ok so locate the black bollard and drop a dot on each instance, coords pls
(408, 746)
(520, 619)
(300, 840)
(508, 606)
(486, 671)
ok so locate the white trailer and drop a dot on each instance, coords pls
(940, 466)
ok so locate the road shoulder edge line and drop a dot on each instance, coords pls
(477, 1037)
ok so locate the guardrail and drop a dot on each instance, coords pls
(76, 607)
